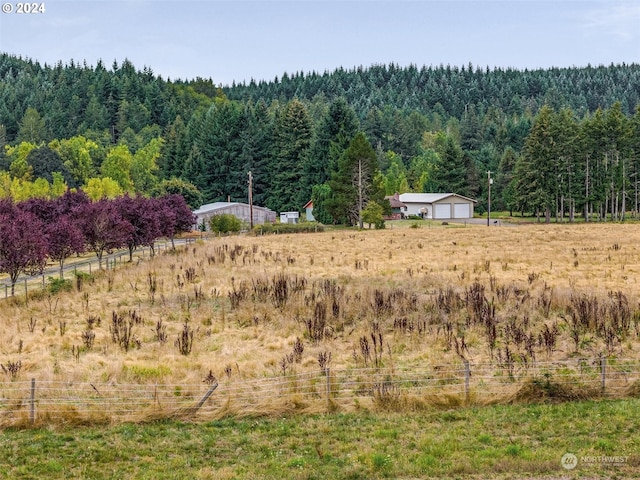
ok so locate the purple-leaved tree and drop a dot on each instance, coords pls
(71, 201)
(62, 231)
(175, 216)
(143, 216)
(103, 227)
(65, 239)
(23, 244)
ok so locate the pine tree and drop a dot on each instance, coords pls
(537, 170)
(451, 172)
(332, 137)
(220, 146)
(32, 128)
(256, 154)
(292, 138)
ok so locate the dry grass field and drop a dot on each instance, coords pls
(246, 307)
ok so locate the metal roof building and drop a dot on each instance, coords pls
(240, 210)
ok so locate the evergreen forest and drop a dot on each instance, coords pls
(557, 143)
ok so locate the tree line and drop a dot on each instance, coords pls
(38, 230)
(417, 130)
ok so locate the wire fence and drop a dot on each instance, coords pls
(28, 284)
(44, 402)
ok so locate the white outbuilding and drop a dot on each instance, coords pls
(438, 206)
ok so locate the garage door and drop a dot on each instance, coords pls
(461, 210)
(443, 210)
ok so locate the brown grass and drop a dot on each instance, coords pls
(248, 299)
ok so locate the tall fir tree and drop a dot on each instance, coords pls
(292, 139)
(332, 137)
(220, 145)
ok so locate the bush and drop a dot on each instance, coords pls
(57, 285)
(82, 278)
(225, 223)
(305, 227)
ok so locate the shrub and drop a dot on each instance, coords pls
(225, 223)
(82, 278)
(57, 285)
(304, 227)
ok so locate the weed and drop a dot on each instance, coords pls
(448, 301)
(161, 332)
(324, 359)
(298, 350)
(121, 329)
(532, 277)
(12, 368)
(280, 291)
(317, 324)
(237, 295)
(184, 342)
(32, 324)
(152, 283)
(190, 274)
(210, 379)
(93, 321)
(88, 338)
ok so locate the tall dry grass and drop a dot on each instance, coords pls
(395, 297)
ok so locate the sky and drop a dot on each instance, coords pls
(236, 41)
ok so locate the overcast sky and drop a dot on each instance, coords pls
(238, 40)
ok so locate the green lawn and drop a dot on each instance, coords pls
(521, 441)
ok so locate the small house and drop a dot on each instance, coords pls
(398, 209)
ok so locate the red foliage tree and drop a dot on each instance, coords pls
(103, 227)
(23, 244)
(143, 216)
(65, 239)
(175, 216)
(71, 201)
(46, 210)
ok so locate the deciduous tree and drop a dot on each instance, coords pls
(23, 244)
(103, 227)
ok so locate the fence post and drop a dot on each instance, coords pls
(32, 402)
(43, 280)
(206, 396)
(26, 293)
(603, 372)
(327, 372)
(467, 375)
(6, 290)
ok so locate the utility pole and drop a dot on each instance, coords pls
(360, 193)
(251, 200)
(489, 181)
